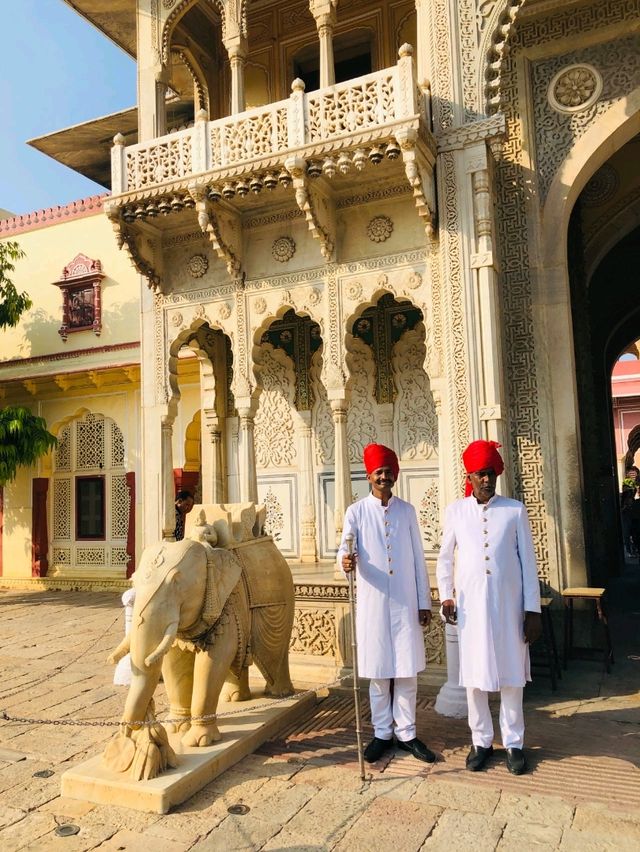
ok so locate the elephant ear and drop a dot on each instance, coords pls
(156, 564)
(223, 573)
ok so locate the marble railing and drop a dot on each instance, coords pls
(366, 109)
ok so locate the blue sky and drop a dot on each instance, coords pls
(55, 70)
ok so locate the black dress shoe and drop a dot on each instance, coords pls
(418, 749)
(477, 757)
(376, 749)
(516, 763)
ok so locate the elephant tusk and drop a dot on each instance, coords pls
(163, 647)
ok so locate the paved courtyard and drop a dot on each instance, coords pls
(302, 789)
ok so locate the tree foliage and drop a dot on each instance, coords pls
(23, 439)
(23, 435)
(12, 303)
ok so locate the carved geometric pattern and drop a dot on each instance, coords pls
(429, 517)
(351, 106)
(119, 507)
(602, 187)
(361, 418)
(63, 450)
(263, 132)
(440, 47)
(197, 265)
(617, 63)
(575, 88)
(62, 556)
(434, 642)
(523, 390)
(469, 17)
(454, 312)
(274, 521)
(416, 422)
(91, 556)
(62, 509)
(283, 249)
(273, 425)
(165, 161)
(380, 229)
(314, 632)
(323, 430)
(90, 443)
(117, 445)
(119, 556)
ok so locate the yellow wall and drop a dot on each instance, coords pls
(48, 251)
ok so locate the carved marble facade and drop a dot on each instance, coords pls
(331, 256)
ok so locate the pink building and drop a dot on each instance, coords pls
(625, 394)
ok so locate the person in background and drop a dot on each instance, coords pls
(184, 504)
(630, 511)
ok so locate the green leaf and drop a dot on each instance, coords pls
(24, 438)
(12, 303)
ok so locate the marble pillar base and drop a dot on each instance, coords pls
(241, 734)
(452, 701)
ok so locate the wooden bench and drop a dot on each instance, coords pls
(594, 596)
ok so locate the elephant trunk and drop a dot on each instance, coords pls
(147, 651)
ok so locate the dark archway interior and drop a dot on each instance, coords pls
(606, 317)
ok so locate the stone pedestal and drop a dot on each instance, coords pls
(241, 734)
(452, 698)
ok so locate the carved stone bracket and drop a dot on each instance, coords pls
(141, 255)
(418, 164)
(219, 230)
(318, 210)
(486, 129)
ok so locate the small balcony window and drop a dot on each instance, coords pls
(90, 508)
(352, 58)
(81, 283)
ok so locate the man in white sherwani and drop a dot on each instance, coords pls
(497, 602)
(393, 604)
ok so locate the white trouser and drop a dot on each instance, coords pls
(511, 717)
(399, 712)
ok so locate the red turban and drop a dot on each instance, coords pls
(481, 455)
(377, 455)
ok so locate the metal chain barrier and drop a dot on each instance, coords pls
(105, 723)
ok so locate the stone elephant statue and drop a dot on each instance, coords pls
(202, 614)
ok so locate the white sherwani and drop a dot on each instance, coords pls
(495, 583)
(392, 586)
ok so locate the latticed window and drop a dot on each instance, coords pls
(80, 284)
(90, 497)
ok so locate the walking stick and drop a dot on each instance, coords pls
(354, 654)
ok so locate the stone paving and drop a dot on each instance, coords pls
(303, 789)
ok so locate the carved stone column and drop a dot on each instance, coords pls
(308, 552)
(211, 459)
(343, 489)
(232, 489)
(247, 450)
(484, 270)
(452, 698)
(167, 496)
(324, 12)
(152, 75)
(237, 59)
(385, 423)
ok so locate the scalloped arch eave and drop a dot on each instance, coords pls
(494, 49)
